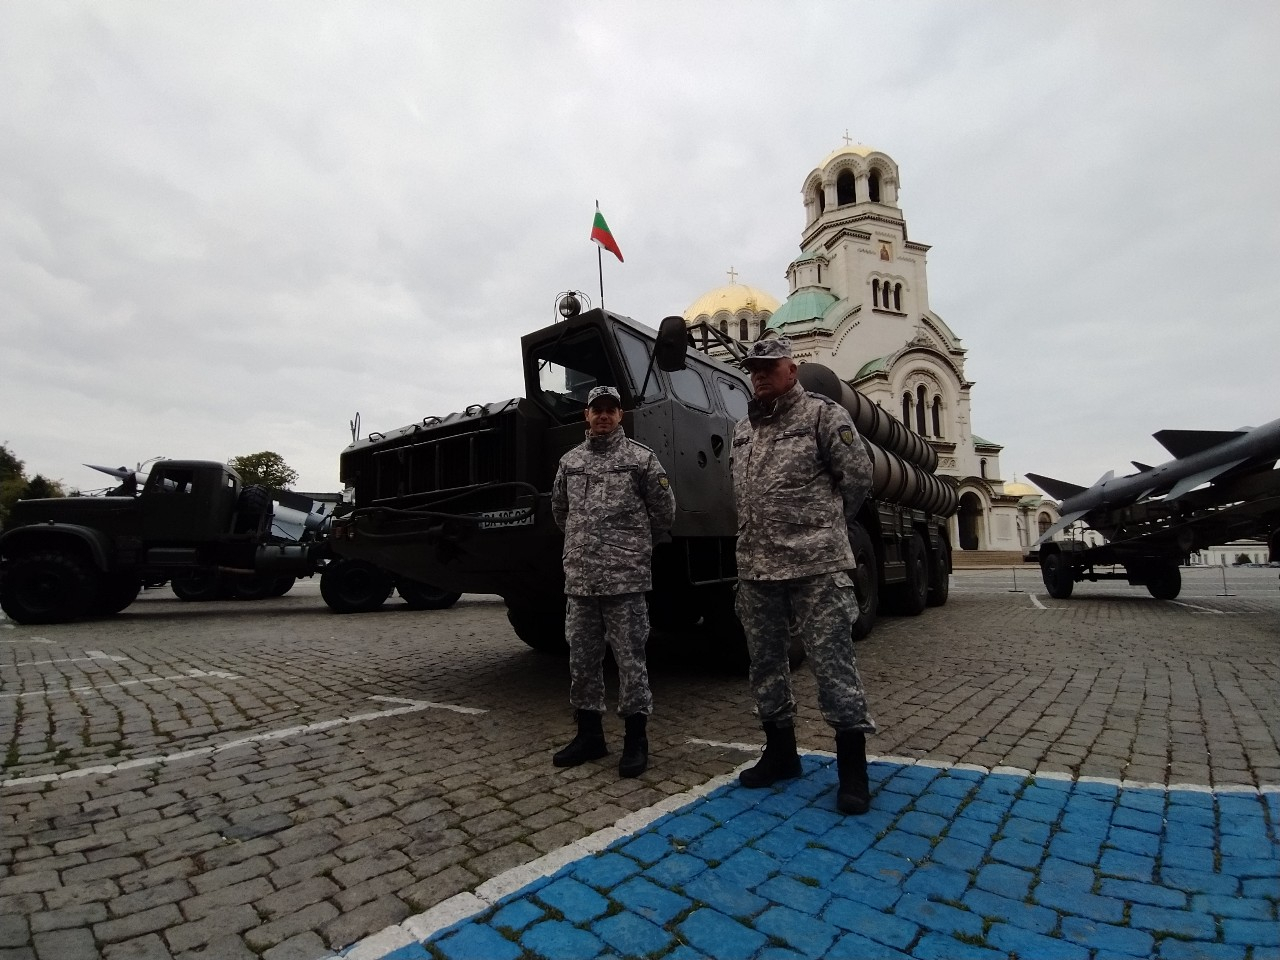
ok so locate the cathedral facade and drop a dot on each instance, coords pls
(858, 302)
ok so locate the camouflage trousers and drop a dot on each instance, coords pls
(820, 610)
(622, 622)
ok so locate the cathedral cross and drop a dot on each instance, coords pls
(733, 274)
(847, 139)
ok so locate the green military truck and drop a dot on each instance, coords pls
(463, 501)
(191, 522)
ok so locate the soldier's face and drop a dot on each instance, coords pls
(603, 418)
(770, 379)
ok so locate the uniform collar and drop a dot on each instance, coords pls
(606, 443)
(758, 411)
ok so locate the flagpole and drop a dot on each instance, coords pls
(600, 265)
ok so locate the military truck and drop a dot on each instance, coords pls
(192, 522)
(463, 501)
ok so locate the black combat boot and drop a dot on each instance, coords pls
(780, 760)
(635, 747)
(851, 763)
(587, 745)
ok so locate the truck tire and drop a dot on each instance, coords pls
(253, 502)
(116, 592)
(354, 586)
(1055, 570)
(249, 587)
(423, 596)
(48, 587)
(541, 627)
(912, 595)
(1164, 581)
(281, 585)
(196, 587)
(940, 575)
(866, 581)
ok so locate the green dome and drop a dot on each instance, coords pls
(804, 306)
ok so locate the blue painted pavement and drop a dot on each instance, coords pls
(951, 863)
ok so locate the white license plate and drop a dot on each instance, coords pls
(518, 517)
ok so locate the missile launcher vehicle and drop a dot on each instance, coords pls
(463, 501)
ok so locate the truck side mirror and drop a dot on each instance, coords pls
(672, 345)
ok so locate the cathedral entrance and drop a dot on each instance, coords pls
(969, 521)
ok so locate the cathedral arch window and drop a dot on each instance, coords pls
(982, 468)
(744, 330)
(846, 188)
(897, 297)
(724, 326)
(906, 408)
(1043, 523)
(822, 201)
(873, 186)
(921, 407)
(875, 293)
(937, 416)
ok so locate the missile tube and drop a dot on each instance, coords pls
(902, 462)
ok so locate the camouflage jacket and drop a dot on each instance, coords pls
(611, 498)
(800, 473)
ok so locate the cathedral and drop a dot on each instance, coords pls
(858, 302)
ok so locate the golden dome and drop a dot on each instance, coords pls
(857, 149)
(731, 299)
(1017, 489)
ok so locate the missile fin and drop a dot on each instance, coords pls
(1058, 489)
(1142, 467)
(1187, 484)
(1062, 524)
(1186, 443)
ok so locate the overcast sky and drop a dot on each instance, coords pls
(226, 227)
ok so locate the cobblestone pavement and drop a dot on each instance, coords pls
(268, 779)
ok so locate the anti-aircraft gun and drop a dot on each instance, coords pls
(463, 501)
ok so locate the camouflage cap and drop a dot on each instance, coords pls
(602, 392)
(778, 348)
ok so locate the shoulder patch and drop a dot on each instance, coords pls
(663, 482)
(846, 436)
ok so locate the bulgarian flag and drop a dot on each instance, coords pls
(601, 235)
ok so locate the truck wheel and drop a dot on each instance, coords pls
(249, 587)
(354, 586)
(1057, 576)
(252, 504)
(911, 596)
(117, 591)
(48, 587)
(541, 627)
(940, 575)
(423, 596)
(1164, 582)
(196, 587)
(866, 581)
(281, 585)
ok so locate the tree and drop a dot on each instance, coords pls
(15, 486)
(266, 469)
(1242, 559)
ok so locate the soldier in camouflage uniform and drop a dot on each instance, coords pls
(800, 473)
(611, 498)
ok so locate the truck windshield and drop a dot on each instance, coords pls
(567, 369)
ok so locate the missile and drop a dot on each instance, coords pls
(1199, 457)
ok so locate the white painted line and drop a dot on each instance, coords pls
(413, 707)
(1192, 606)
(92, 655)
(744, 747)
(1036, 601)
(123, 683)
(23, 639)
